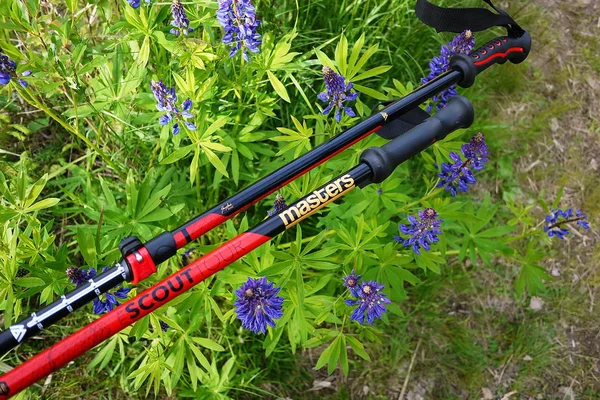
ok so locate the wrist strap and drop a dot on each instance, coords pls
(444, 19)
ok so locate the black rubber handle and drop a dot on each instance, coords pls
(496, 51)
(457, 114)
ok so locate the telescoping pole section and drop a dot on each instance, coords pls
(376, 164)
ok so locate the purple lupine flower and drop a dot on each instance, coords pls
(258, 305)
(460, 44)
(557, 220)
(370, 300)
(180, 20)
(457, 176)
(166, 99)
(351, 281)
(238, 19)
(422, 232)
(134, 3)
(476, 151)
(8, 70)
(108, 301)
(80, 276)
(582, 219)
(336, 93)
(279, 205)
(163, 325)
(189, 256)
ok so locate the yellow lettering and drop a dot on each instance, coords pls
(349, 182)
(331, 189)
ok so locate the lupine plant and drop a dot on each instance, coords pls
(460, 44)
(240, 88)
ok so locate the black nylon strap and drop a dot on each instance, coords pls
(460, 19)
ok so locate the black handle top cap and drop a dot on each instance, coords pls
(497, 51)
(457, 114)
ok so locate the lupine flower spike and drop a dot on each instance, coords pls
(457, 176)
(79, 276)
(461, 44)
(8, 70)
(180, 20)
(258, 305)
(279, 205)
(166, 99)
(370, 300)
(422, 232)
(337, 91)
(557, 220)
(238, 18)
(105, 302)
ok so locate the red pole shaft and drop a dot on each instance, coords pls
(126, 314)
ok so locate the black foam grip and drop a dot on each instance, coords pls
(383, 160)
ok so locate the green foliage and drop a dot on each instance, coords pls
(86, 163)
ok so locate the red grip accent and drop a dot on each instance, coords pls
(140, 269)
(180, 239)
(126, 314)
(501, 55)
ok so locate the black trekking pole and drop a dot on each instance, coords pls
(140, 260)
(376, 164)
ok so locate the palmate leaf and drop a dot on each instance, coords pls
(337, 351)
(532, 276)
(477, 240)
(530, 279)
(298, 139)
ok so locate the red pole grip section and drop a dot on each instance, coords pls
(126, 314)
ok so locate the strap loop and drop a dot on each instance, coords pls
(457, 20)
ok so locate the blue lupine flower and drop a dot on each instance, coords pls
(336, 94)
(134, 3)
(460, 44)
(422, 232)
(279, 205)
(581, 218)
(457, 176)
(166, 99)
(351, 281)
(163, 325)
(8, 70)
(258, 305)
(476, 151)
(110, 299)
(370, 300)
(180, 20)
(238, 18)
(189, 256)
(80, 276)
(558, 218)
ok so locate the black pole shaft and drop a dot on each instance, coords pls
(297, 167)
